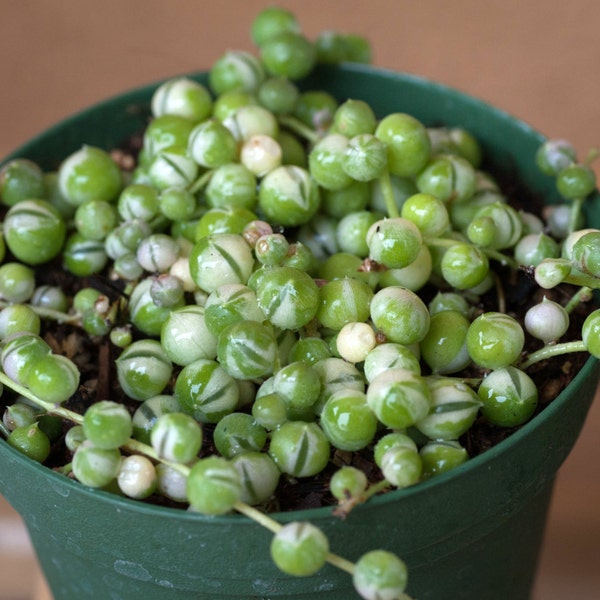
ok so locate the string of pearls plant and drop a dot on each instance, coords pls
(288, 268)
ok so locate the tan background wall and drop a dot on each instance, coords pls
(538, 59)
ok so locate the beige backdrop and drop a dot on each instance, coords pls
(537, 59)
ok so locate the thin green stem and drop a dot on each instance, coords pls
(582, 280)
(297, 126)
(551, 350)
(584, 294)
(501, 258)
(49, 407)
(576, 206)
(387, 190)
(49, 313)
(4, 430)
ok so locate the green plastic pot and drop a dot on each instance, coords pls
(471, 533)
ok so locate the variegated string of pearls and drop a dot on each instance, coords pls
(271, 245)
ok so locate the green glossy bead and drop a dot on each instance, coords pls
(31, 441)
(137, 201)
(95, 219)
(18, 415)
(107, 424)
(230, 304)
(399, 398)
(354, 117)
(389, 441)
(247, 350)
(259, 476)
(84, 257)
(401, 466)
(238, 433)
(344, 301)
(269, 410)
(444, 347)
(454, 408)
(353, 231)
(299, 548)
(206, 391)
(532, 248)
(17, 282)
(211, 144)
(20, 353)
(509, 397)
(95, 467)
(394, 242)
(390, 356)
(576, 181)
(326, 159)
(365, 158)
(288, 54)
(464, 266)
(236, 69)
(414, 276)
(278, 95)
(299, 449)
(439, 456)
(164, 132)
(590, 333)
(74, 437)
(316, 108)
(143, 369)
(348, 482)
(288, 196)
(213, 486)
(447, 177)
(288, 297)
(144, 314)
(348, 421)
(183, 97)
(177, 437)
(89, 174)
(54, 378)
(554, 155)
(380, 574)
(292, 150)
(585, 253)
(400, 315)
(34, 231)
(172, 166)
(507, 226)
(352, 198)
(223, 220)
(232, 185)
(229, 102)
(177, 203)
(21, 179)
(298, 384)
(495, 340)
(219, 259)
(407, 142)
(125, 238)
(185, 336)
(337, 374)
(428, 213)
(147, 413)
(344, 264)
(271, 21)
